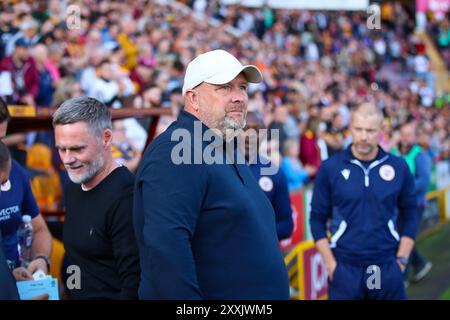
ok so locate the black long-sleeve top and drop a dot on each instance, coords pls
(99, 238)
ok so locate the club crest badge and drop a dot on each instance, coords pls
(266, 184)
(6, 186)
(387, 172)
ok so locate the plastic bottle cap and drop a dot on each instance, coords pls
(26, 219)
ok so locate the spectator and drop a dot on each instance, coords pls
(421, 66)
(67, 88)
(142, 74)
(44, 96)
(111, 85)
(309, 149)
(349, 65)
(419, 163)
(334, 136)
(126, 41)
(89, 74)
(297, 175)
(122, 148)
(27, 35)
(23, 74)
(280, 117)
(151, 98)
(55, 52)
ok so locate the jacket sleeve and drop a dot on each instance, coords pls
(407, 204)
(282, 207)
(321, 204)
(170, 197)
(124, 246)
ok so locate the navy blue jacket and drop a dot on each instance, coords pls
(205, 231)
(363, 201)
(276, 189)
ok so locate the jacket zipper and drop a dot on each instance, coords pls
(367, 171)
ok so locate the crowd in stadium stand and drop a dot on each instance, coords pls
(317, 66)
(439, 29)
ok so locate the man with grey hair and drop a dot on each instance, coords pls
(206, 230)
(98, 232)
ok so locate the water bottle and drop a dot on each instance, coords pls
(25, 234)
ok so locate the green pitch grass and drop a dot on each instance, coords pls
(435, 246)
(445, 295)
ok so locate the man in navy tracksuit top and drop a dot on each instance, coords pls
(270, 178)
(276, 189)
(205, 230)
(362, 191)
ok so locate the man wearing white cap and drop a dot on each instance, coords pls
(208, 82)
(205, 229)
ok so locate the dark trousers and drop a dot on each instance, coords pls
(416, 260)
(357, 283)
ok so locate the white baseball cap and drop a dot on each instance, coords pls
(217, 67)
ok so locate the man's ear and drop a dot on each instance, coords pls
(192, 99)
(107, 137)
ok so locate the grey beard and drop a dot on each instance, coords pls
(91, 171)
(229, 124)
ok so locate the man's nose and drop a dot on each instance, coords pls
(364, 135)
(238, 96)
(67, 157)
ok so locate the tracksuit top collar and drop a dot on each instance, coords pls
(350, 156)
(381, 157)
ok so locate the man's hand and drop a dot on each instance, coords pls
(402, 267)
(404, 250)
(331, 268)
(41, 297)
(22, 274)
(323, 247)
(37, 264)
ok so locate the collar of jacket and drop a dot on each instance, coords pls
(188, 118)
(348, 154)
